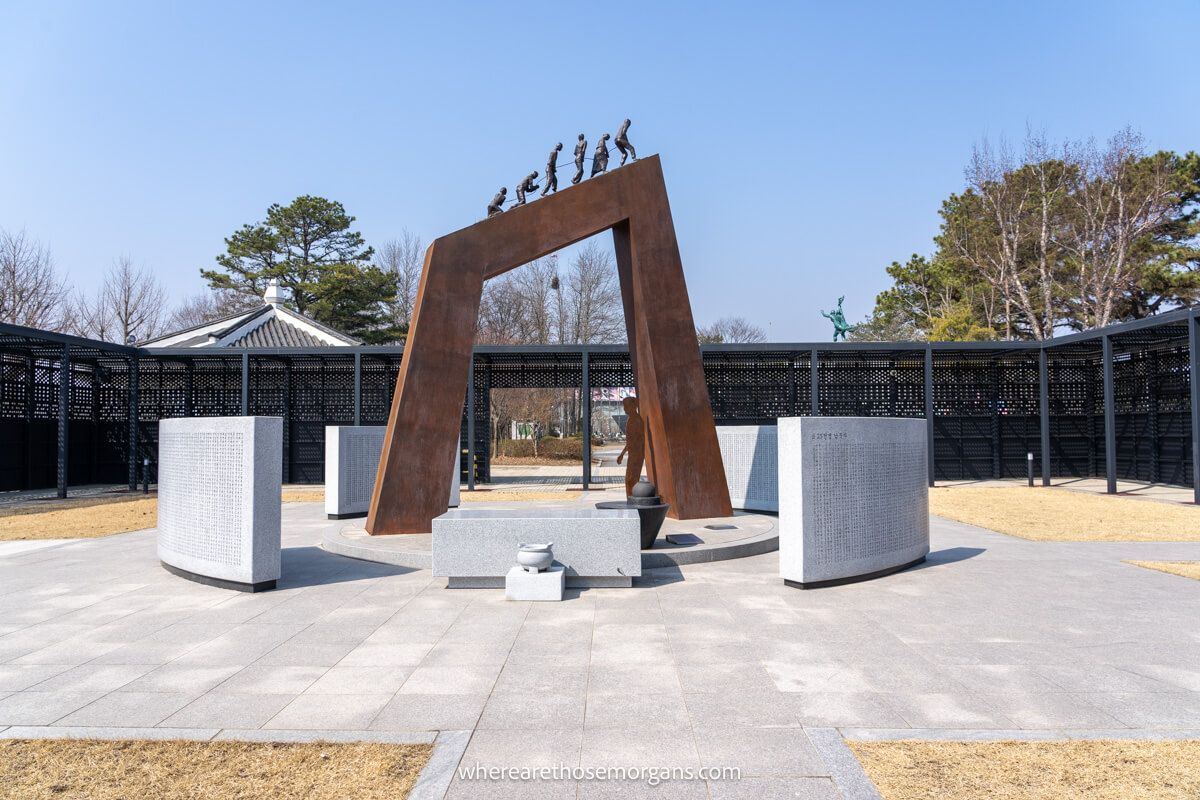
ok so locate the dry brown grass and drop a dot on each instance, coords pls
(303, 495)
(1184, 569)
(535, 461)
(91, 517)
(86, 517)
(501, 496)
(1059, 770)
(105, 770)
(564, 496)
(1052, 514)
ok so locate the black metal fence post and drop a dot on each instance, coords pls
(134, 427)
(814, 377)
(1044, 412)
(929, 432)
(585, 397)
(1110, 418)
(245, 384)
(288, 449)
(471, 425)
(64, 418)
(1194, 370)
(358, 389)
(792, 410)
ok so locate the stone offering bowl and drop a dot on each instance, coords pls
(535, 557)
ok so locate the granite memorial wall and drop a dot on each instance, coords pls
(853, 499)
(219, 490)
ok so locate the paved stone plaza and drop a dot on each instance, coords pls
(714, 665)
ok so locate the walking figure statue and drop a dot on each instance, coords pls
(840, 326)
(635, 444)
(580, 158)
(552, 171)
(622, 142)
(600, 158)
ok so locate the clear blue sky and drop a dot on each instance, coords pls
(806, 145)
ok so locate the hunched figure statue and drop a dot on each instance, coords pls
(497, 205)
(529, 184)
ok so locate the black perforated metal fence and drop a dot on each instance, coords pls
(983, 401)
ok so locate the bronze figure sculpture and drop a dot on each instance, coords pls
(497, 204)
(552, 171)
(840, 326)
(528, 184)
(635, 444)
(600, 158)
(580, 157)
(622, 142)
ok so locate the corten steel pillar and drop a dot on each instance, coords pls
(1194, 374)
(1110, 418)
(414, 468)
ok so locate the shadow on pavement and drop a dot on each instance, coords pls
(312, 566)
(949, 556)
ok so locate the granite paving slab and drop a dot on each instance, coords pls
(714, 664)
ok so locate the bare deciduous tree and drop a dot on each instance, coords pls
(593, 298)
(731, 330)
(534, 284)
(1121, 198)
(130, 305)
(993, 241)
(404, 258)
(31, 293)
(500, 313)
(1052, 173)
(208, 306)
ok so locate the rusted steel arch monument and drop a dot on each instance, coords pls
(423, 427)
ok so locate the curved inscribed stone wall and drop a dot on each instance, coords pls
(854, 498)
(351, 464)
(750, 454)
(220, 482)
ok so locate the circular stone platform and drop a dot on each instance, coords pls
(749, 534)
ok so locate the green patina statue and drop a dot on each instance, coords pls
(840, 326)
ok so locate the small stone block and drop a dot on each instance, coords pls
(684, 539)
(537, 586)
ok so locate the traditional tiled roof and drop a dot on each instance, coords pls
(276, 332)
(270, 325)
